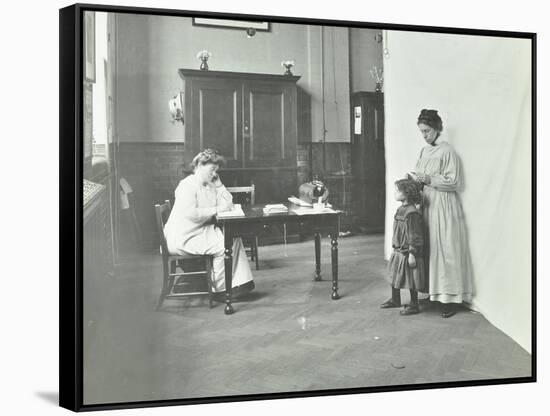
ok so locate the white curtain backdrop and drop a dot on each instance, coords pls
(482, 89)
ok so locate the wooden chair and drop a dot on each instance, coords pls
(250, 241)
(172, 279)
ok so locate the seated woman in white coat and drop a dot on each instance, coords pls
(191, 228)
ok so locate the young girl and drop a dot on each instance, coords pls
(406, 267)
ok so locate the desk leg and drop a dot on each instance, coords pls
(228, 263)
(334, 252)
(317, 256)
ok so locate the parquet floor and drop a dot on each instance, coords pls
(287, 336)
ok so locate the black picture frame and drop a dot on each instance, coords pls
(72, 75)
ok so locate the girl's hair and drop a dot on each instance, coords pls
(411, 190)
(430, 118)
(208, 156)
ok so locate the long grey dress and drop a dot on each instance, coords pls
(449, 263)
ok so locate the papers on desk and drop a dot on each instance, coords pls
(275, 209)
(302, 203)
(304, 210)
(237, 211)
(298, 201)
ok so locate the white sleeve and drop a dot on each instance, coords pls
(186, 197)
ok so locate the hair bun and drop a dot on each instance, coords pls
(428, 113)
(431, 118)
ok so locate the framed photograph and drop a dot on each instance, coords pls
(232, 24)
(346, 207)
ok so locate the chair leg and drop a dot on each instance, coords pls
(172, 279)
(255, 249)
(161, 299)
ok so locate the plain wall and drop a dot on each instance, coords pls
(481, 86)
(366, 52)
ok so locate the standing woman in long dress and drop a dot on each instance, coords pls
(449, 263)
(191, 227)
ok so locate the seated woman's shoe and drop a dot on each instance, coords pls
(410, 310)
(243, 289)
(237, 291)
(390, 304)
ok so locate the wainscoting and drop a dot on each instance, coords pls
(154, 170)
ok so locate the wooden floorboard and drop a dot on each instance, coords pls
(288, 335)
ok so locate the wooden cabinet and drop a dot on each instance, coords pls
(368, 160)
(251, 119)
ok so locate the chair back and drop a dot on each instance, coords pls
(162, 212)
(250, 190)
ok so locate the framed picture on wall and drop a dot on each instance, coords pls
(311, 227)
(232, 24)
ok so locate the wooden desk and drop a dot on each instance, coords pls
(255, 220)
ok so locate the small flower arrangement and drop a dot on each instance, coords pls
(288, 66)
(202, 55)
(378, 76)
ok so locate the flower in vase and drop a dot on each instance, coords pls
(378, 75)
(287, 65)
(203, 55)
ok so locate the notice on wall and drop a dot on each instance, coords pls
(357, 118)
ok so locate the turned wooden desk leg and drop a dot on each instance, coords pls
(334, 252)
(317, 256)
(228, 262)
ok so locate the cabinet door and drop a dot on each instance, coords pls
(376, 170)
(216, 119)
(270, 126)
(368, 160)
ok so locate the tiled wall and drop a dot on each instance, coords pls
(155, 169)
(303, 156)
(335, 172)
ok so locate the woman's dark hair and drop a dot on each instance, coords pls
(208, 156)
(411, 190)
(430, 118)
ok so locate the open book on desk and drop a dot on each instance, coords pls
(299, 202)
(237, 211)
(302, 203)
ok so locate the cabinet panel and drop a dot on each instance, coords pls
(273, 185)
(267, 135)
(269, 124)
(216, 118)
